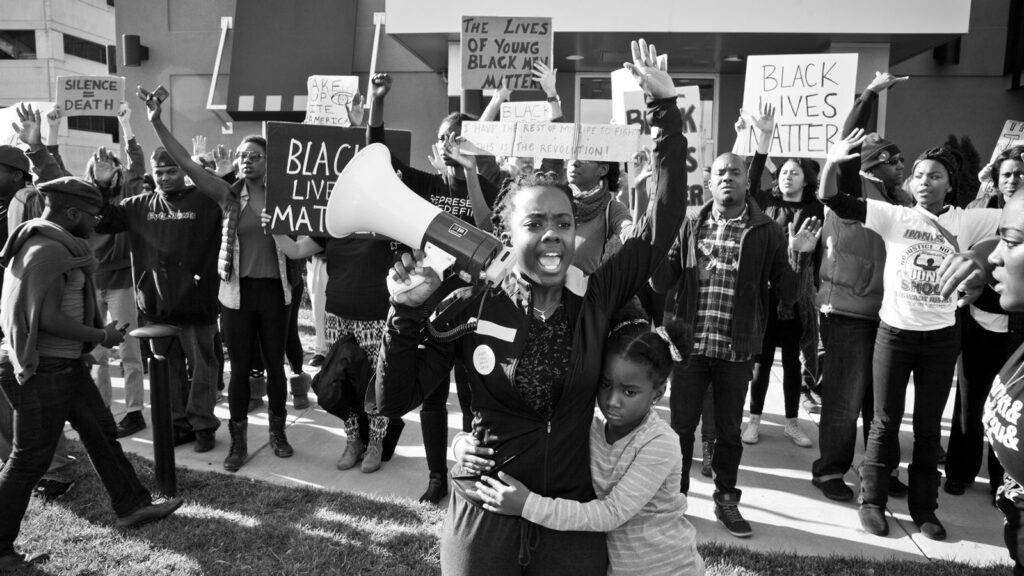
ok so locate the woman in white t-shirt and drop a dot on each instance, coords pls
(918, 332)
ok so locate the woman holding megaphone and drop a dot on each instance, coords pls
(535, 356)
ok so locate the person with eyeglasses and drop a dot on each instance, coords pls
(174, 272)
(254, 289)
(849, 299)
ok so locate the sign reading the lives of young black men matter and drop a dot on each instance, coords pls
(303, 163)
(812, 93)
(89, 95)
(496, 48)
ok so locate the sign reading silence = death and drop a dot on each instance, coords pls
(811, 94)
(303, 163)
(497, 48)
(89, 95)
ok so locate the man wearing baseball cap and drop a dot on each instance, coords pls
(50, 321)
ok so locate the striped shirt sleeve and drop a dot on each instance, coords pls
(638, 485)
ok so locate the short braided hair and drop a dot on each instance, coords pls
(503, 202)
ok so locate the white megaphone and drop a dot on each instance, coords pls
(369, 197)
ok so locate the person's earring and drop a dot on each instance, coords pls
(506, 239)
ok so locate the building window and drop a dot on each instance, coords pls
(17, 44)
(100, 124)
(82, 48)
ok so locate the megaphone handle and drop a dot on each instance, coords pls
(434, 258)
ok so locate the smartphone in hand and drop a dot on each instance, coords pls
(160, 93)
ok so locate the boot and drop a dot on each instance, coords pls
(708, 450)
(355, 447)
(239, 450)
(300, 384)
(278, 440)
(435, 443)
(375, 448)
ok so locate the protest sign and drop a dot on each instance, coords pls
(303, 163)
(89, 95)
(525, 112)
(811, 93)
(601, 142)
(1011, 135)
(328, 99)
(496, 48)
(488, 138)
(628, 107)
(9, 115)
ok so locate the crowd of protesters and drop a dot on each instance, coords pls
(616, 298)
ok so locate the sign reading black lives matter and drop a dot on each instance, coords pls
(498, 47)
(303, 163)
(89, 95)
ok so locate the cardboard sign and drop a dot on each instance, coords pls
(629, 108)
(1011, 135)
(525, 112)
(812, 94)
(303, 163)
(602, 142)
(496, 48)
(89, 95)
(329, 98)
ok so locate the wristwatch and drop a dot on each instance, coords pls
(555, 99)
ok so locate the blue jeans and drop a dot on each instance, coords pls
(845, 391)
(192, 366)
(61, 391)
(728, 381)
(931, 356)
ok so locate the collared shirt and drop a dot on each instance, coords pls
(718, 261)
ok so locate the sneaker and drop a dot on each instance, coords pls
(156, 510)
(750, 433)
(49, 489)
(131, 423)
(204, 440)
(794, 433)
(834, 489)
(896, 487)
(811, 402)
(728, 513)
(317, 361)
(371, 458)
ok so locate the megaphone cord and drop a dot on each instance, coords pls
(460, 330)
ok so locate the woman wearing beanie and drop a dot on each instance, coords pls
(918, 332)
(791, 201)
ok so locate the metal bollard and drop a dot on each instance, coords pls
(159, 338)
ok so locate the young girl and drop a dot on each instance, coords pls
(634, 461)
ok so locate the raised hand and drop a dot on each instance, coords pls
(356, 110)
(840, 151)
(28, 131)
(884, 81)
(380, 85)
(54, 116)
(436, 158)
(124, 113)
(223, 158)
(806, 239)
(449, 149)
(764, 122)
(153, 104)
(650, 71)
(103, 167)
(546, 77)
(198, 145)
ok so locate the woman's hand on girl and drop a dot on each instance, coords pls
(506, 497)
(650, 70)
(471, 456)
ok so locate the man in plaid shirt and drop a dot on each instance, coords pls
(720, 268)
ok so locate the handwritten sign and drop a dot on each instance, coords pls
(303, 163)
(602, 142)
(89, 95)
(488, 138)
(525, 112)
(496, 48)
(329, 98)
(628, 107)
(1011, 135)
(812, 94)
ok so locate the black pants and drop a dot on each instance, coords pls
(263, 316)
(982, 355)
(293, 345)
(785, 334)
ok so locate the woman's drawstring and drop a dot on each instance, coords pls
(529, 539)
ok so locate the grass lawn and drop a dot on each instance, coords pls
(232, 525)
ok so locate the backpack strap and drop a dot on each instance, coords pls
(933, 221)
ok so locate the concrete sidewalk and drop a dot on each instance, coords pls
(787, 512)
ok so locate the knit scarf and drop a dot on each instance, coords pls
(590, 203)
